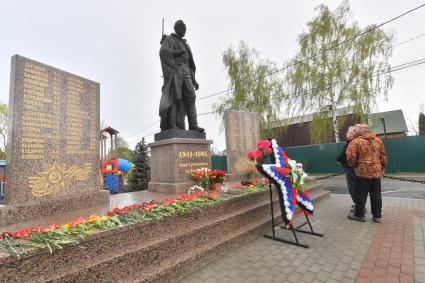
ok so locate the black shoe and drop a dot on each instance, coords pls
(353, 217)
(353, 210)
(197, 128)
(377, 219)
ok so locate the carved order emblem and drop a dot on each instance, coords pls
(56, 177)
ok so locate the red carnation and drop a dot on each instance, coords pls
(260, 144)
(267, 151)
(4, 234)
(258, 156)
(251, 155)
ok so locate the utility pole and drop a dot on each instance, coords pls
(383, 125)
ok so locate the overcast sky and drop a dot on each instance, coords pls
(116, 43)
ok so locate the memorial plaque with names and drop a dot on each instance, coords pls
(242, 133)
(53, 146)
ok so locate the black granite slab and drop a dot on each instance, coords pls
(177, 133)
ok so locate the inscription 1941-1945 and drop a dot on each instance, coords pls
(190, 161)
(53, 132)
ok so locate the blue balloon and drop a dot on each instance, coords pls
(124, 165)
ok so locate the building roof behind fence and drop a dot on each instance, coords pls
(394, 122)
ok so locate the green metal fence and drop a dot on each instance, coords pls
(405, 154)
(318, 158)
(219, 162)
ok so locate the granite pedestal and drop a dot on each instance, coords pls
(172, 161)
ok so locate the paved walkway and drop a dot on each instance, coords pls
(390, 188)
(392, 251)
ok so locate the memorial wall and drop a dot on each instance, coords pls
(242, 133)
(53, 147)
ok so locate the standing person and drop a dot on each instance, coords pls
(366, 154)
(178, 92)
(349, 172)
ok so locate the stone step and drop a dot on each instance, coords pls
(175, 271)
(169, 251)
(105, 244)
(153, 251)
(314, 187)
(197, 260)
(310, 181)
(183, 255)
(319, 195)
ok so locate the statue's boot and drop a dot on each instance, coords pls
(163, 124)
(193, 120)
(172, 118)
(180, 115)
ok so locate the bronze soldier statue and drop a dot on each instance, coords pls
(178, 92)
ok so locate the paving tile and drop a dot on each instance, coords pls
(315, 268)
(337, 275)
(419, 277)
(350, 251)
(323, 276)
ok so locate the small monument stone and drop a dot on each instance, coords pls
(53, 142)
(242, 133)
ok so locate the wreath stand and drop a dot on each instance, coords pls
(294, 230)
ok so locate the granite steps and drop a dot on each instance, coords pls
(186, 256)
(164, 250)
(236, 240)
(40, 265)
(176, 248)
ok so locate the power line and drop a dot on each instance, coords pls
(206, 113)
(150, 134)
(314, 55)
(394, 69)
(312, 90)
(144, 129)
(322, 52)
(411, 81)
(378, 73)
(391, 47)
(332, 84)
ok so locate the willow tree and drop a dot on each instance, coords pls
(333, 71)
(254, 85)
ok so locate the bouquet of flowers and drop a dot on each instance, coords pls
(262, 153)
(292, 169)
(217, 176)
(207, 178)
